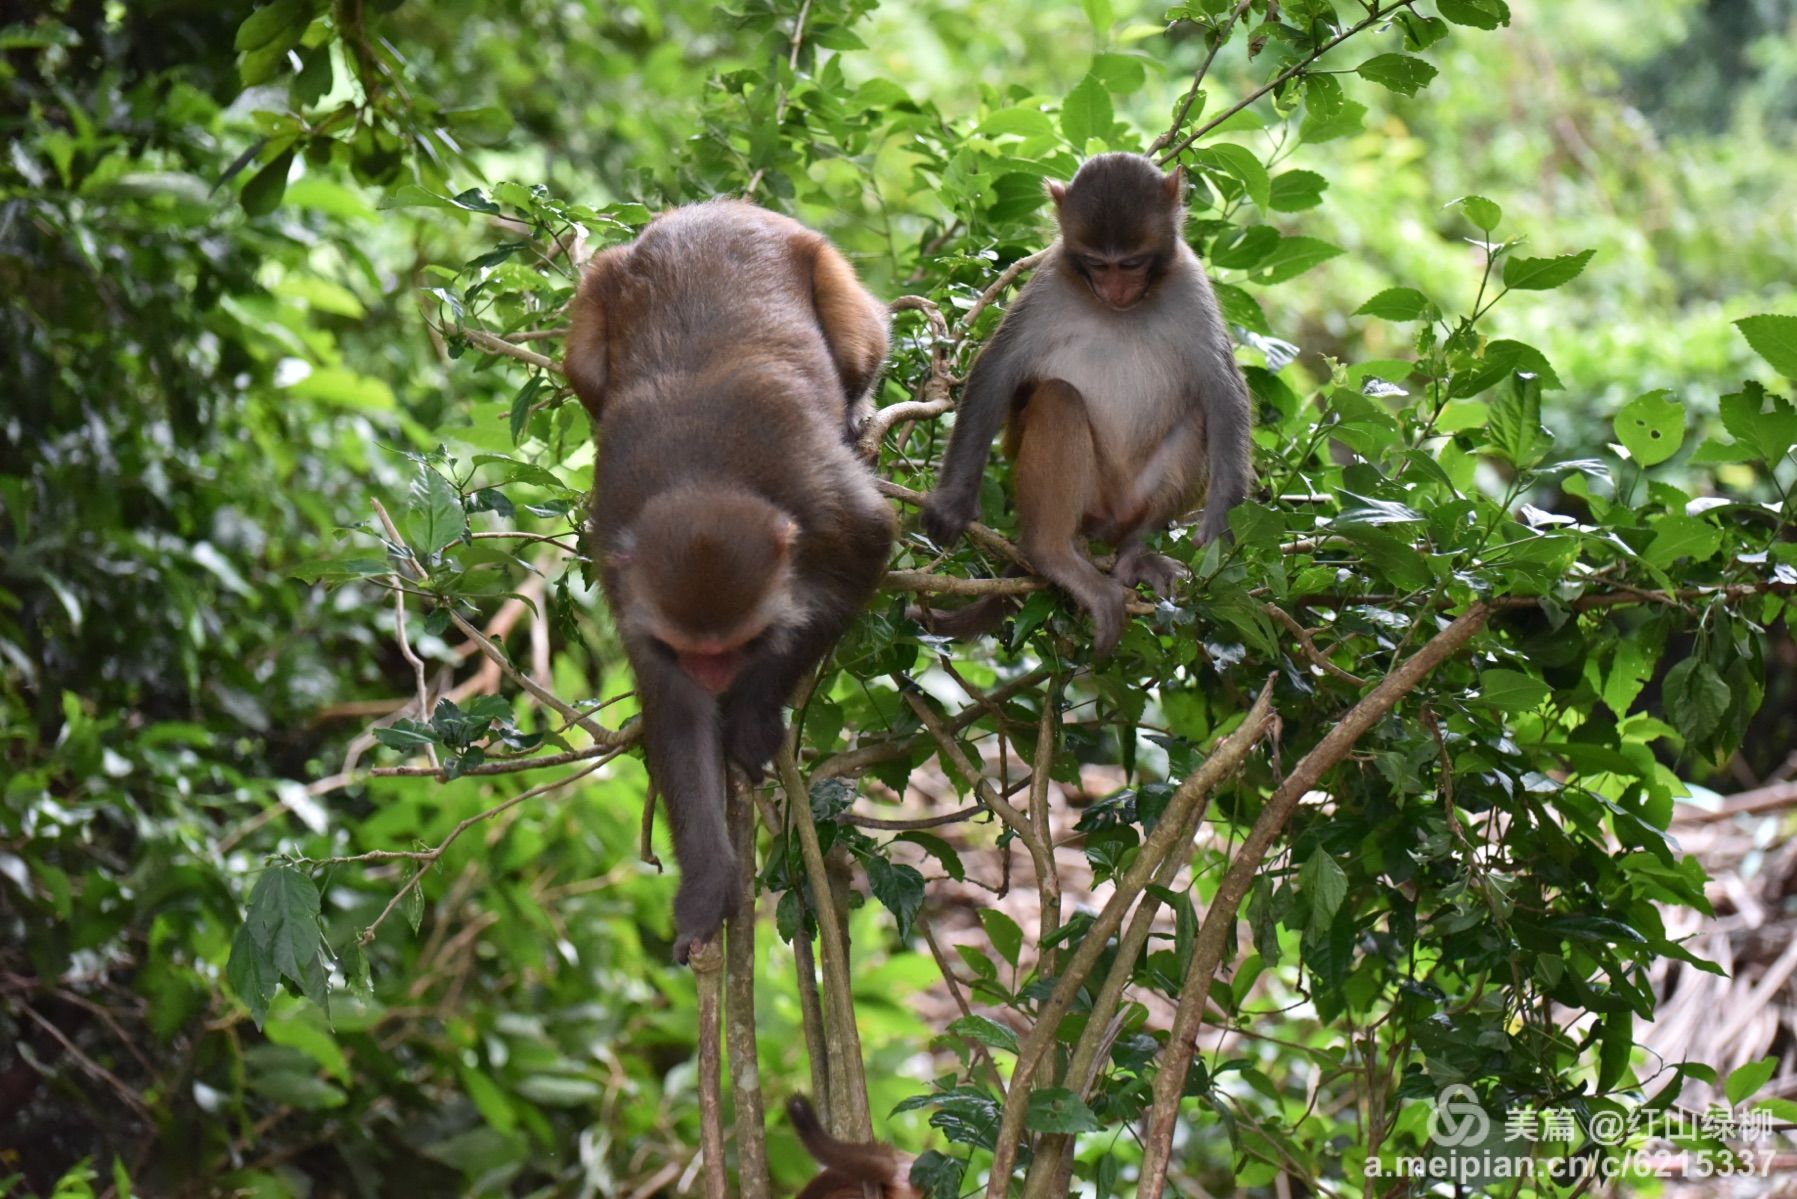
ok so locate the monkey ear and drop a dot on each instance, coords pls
(1174, 182)
(1057, 191)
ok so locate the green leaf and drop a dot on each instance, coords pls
(1745, 1080)
(1402, 73)
(283, 21)
(1480, 14)
(1773, 338)
(987, 1032)
(900, 888)
(1769, 434)
(1480, 211)
(1695, 698)
(1099, 13)
(338, 569)
(1086, 113)
(1651, 427)
(1027, 122)
(412, 903)
(1349, 119)
(1242, 164)
(1515, 425)
(1006, 937)
(1294, 191)
(1322, 882)
(1291, 258)
(280, 938)
(262, 194)
(1676, 536)
(1512, 690)
(407, 736)
(434, 517)
(252, 973)
(1615, 1044)
(1396, 304)
(1544, 274)
(1056, 1109)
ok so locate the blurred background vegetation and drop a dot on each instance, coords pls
(202, 386)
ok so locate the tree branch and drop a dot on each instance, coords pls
(1220, 916)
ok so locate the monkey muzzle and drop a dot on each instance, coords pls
(712, 671)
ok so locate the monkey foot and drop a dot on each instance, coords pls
(705, 900)
(1161, 573)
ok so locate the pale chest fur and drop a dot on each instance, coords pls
(1134, 368)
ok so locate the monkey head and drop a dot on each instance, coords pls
(705, 575)
(1120, 220)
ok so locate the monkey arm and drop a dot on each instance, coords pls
(853, 324)
(680, 740)
(986, 401)
(1229, 420)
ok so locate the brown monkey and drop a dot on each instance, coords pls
(850, 1170)
(725, 357)
(1122, 391)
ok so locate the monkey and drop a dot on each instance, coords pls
(1123, 398)
(726, 358)
(850, 1170)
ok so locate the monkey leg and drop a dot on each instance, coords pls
(1058, 481)
(680, 737)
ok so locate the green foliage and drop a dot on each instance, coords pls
(196, 597)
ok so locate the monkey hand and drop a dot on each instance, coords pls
(946, 515)
(705, 900)
(752, 736)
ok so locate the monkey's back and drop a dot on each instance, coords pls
(718, 370)
(714, 282)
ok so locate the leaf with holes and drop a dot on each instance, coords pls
(1651, 427)
(1544, 274)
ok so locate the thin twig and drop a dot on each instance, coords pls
(1296, 68)
(1220, 917)
(1310, 647)
(1155, 848)
(494, 344)
(1218, 39)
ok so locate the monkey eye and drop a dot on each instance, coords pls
(1133, 264)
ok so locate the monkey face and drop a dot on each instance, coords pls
(1118, 280)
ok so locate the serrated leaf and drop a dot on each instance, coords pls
(1768, 434)
(1294, 191)
(985, 1031)
(900, 888)
(1005, 935)
(1086, 113)
(1480, 211)
(413, 905)
(1291, 258)
(1695, 698)
(1396, 304)
(1515, 425)
(1241, 164)
(1324, 886)
(1651, 427)
(407, 736)
(1676, 536)
(1056, 1109)
(1544, 274)
(1479, 14)
(1512, 690)
(434, 517)
(1402, 73)
(1631, 666)
(1350, 118)
(1774, 338)
(1743, 1081)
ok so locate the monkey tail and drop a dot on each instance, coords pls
(975, 620)
(853, 1161)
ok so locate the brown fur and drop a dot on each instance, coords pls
(850, 1170)
(1119, 383)
(724, 356)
